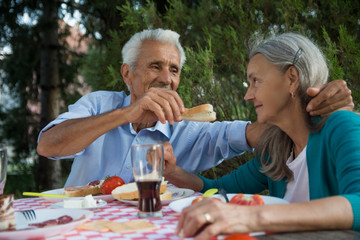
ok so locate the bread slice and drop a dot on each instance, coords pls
(130, 191)
(7, 213)
(83, 191)
(166, 195)
(201, 113)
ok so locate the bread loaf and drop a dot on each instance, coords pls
(130, 192)
(201, 113)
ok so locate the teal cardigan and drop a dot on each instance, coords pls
(333, 159)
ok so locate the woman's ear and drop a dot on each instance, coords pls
(294, 79)
(126, 73)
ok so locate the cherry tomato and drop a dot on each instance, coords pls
(247, 200)
(197, 199)
(110, 184)
(239, 237)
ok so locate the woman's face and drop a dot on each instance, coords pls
(269, 90)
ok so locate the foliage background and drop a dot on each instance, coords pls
(215, 34)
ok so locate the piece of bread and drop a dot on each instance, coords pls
(166, 195)
(130, 191)
(201, 113)
(7, 213)
(82, 191)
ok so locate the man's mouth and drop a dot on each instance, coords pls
(159, 85)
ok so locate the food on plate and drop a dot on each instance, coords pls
(240, 236)
(201, 113)
(241, 199)
(52, 222)
(104, 226)
(92, 188)
(7, 214)
(87, 202)
(110, 184)
(130, 192)
(197, 199)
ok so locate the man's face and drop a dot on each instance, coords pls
(158, 66)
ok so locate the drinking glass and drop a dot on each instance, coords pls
(3, 168)
(148, 164)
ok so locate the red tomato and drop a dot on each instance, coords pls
(247, 200)
(197, 199)
(110, 184)
(239, 237)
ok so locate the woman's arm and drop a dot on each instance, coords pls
(176, 175)
(327, 213)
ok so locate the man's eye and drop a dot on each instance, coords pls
(174, 70)
(155, 67)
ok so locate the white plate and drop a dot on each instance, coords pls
(99, 203)
(178, 205)
(176, 193)
(59, 191)
(45, 232)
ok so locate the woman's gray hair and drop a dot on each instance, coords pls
(285, 50)
(131, 50)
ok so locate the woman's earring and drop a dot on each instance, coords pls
(292, 94)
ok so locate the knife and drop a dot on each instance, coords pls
(34, 194)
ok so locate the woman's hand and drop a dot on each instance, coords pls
(169, 160)
(210, 217)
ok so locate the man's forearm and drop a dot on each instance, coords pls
(74, 135)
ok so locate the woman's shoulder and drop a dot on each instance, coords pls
(342, 122)
(340, 116)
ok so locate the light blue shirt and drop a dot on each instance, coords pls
(197, 145)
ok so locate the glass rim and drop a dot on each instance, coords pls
(147, 145)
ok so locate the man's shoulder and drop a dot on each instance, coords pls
(107, 94)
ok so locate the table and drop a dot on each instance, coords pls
(120, 212)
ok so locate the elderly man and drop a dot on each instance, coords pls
(99, 128)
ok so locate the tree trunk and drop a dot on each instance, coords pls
(48, 171)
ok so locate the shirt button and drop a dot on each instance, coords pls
(128, 166)
(138, 139)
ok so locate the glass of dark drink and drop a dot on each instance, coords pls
(148, 164)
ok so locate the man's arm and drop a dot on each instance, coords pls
(326, 99)
(72, 136)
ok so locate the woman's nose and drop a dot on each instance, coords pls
(249, 95)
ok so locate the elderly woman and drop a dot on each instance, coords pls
(311, 162)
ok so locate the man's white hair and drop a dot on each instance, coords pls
(131, 50)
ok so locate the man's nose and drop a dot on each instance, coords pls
(165, 77)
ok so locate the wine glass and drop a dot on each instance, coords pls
(3, 168)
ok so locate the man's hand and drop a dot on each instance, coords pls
(156, 104)
(330, 97)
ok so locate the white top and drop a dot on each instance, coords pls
(297, 190)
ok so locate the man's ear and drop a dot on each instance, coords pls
(126, 73)
(294, 79)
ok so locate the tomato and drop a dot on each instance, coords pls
(110, 184)
(241, 199)
(197, 199)
(239, 237)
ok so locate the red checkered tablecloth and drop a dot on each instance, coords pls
(114, 211)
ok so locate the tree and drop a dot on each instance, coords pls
(216, 35)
